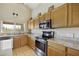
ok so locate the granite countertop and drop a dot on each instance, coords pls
(16, 35)
(11, 35)
(67, 42)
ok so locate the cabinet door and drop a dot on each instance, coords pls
(31, 25)
(37, 22)
(28, 41)
(55, 49)
(42, 18)
(47, 16)
(28, 24)
(23, 40)
(55, 52)
(16, 42)
(50, 52)
(72, 52)
(31, 43)
(59, 16)
(74, 14)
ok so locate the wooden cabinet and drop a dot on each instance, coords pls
(42, 18)
(47, 15)
(56, 50)
(32, 24)
(31, 43)
(16, 42)
(23, 40)
(19, 41)
(37, 20)
(66, 15)
(72, 52)
(74, 15)
(28, 25)
(59, 16)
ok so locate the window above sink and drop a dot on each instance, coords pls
(11, 28)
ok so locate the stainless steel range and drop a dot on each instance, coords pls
(41, 47)
(41, 43)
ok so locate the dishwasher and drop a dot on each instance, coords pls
(6, 45)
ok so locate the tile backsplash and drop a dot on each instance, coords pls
(67, 32)
(62, 32)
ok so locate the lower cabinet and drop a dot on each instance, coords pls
(72, 52)
(31, 43)
(59, 50)
(23, 40)
(19, 41)
(56, 50)
(16, 42)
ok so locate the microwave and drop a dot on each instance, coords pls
(45, 24)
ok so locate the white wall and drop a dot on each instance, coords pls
(7, 9)
(43, 7)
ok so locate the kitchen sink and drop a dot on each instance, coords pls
(4, 38)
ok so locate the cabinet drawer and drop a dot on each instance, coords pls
(72, 52)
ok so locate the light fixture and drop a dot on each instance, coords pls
(15, 14)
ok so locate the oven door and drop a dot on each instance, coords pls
(41, 47)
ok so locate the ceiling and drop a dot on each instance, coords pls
(32, 5)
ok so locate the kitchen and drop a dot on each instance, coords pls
(43, 29)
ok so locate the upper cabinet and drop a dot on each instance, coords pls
(28, 24)
(73, 15)
(59, 16)
(37, 22)
(31, 24)
(42, 18)
(66, 15)
(47, 15)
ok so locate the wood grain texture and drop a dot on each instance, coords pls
(31, 43)
(16, 42)
(23, 40)
(19, 41)
(59, 16)
(52, 51)
(72, 52)
(74, 14)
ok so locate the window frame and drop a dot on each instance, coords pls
(4, 22)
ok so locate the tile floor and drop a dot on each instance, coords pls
(23, 51)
